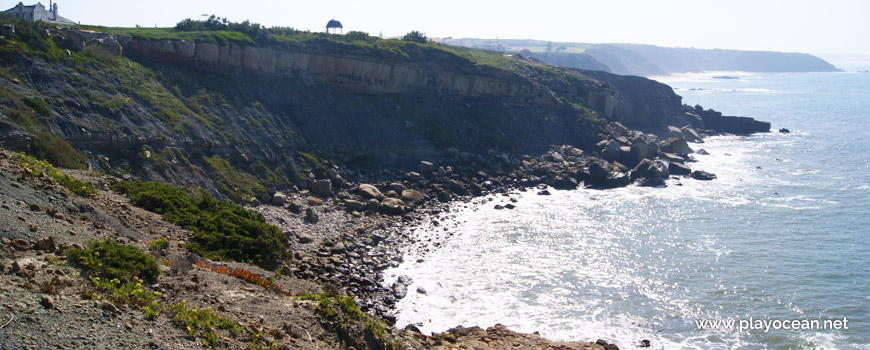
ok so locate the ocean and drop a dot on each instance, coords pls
(781, 239)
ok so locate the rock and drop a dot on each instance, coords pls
(616, 180)
(678, 169)
(421, 290)
(610, 151)
(498, 207)
(691, 135)
(46, 302)
(399, 290)
(372, 205)
(673, 131)
(670, 157)
(338, 248)
(322, 188)
(305, 238)
(675, 145)
(354, 205)
(392, 206)
(46, 244)
(509, 206)
(642, 148)
(702, 175)
(644, 343)
(703, 152)
(443, 196)
(314, 201)
(641, 169)
(658, 169)
(265, 197)
(598, 170)
(311, 216)
(564, 183)
(279, 199)
(398, 187)
(405, 279)
(784, 131)
(543, 193)
(370, 191)
(108, 307)
(413, 196)
(21, 244)
(295, 207)
(425, 167)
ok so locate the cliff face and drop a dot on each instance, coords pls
(191, 111)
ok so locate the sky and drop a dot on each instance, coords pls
(834, 27)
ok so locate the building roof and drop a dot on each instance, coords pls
(333, 24)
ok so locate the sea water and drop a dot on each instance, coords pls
(782, 234)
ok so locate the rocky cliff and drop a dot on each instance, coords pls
(227, 115)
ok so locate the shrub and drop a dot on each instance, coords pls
(39, 167)
(56, 150)
(108, 259)
(222, 230)
(416, 37)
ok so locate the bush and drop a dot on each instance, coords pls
(108, 259)
(416, 37)
(56, 151)
(222, 230)
(39, 167)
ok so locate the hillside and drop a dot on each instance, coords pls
(337, 145)
(650, 60)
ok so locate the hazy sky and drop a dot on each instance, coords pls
(811, 26)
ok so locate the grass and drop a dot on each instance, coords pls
(37, 168)
(222, 230)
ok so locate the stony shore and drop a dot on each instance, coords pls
(44, 300)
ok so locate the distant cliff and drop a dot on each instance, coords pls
(649, 60)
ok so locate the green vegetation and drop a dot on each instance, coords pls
(416, 37)
(38, 167)
(233, 182)
(158, 244)
(202, 323)
(56, 150)
(221, 230)
(116, 270)
(109, 259)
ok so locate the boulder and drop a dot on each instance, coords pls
(617, 180)
(46, 244)
(658, 169)
(643, 148)
(322, 188)
(702, 175)
(641, 169)
(564, 183)
(443, 196)
(370, 191)
(305, 238)
(691, 135)
(398, 187)
(279, 199)
(392, 206)
(784, 131)
(610, 150)
(372, 205)
(413, 196)
(673, 131)
(311, 216)
(598, 170)
(675, 145)
(425, 167)
(678, 169)
(670, 157)
(354, 205)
